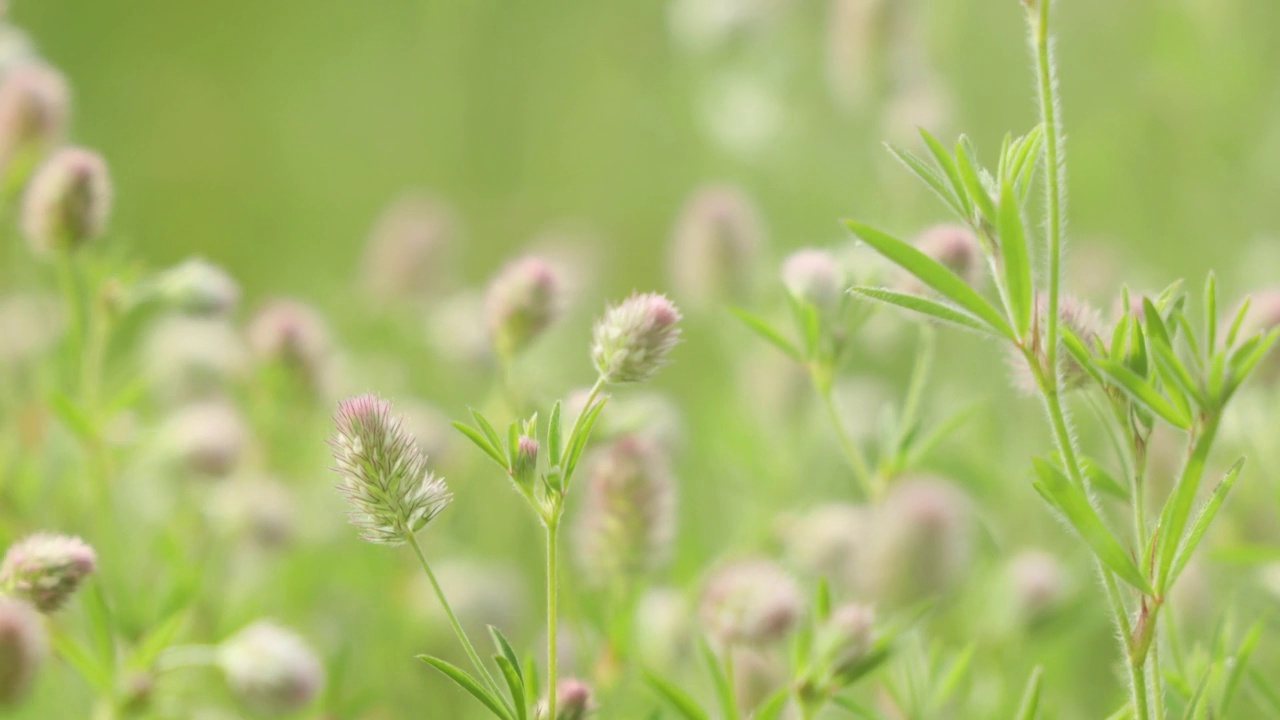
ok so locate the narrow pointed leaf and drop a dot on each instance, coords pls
(680, 701)
(1238, 664)
(930, 176)
(487, 428)
(949, 171)
(1204, 519)
(933, 274)
(1029, 708)
(1075, 507)
(515, 685)
(481, 442)
(1016, 262)
(925, 306)
(1142, 393)
(761, 327)
(469, 684)
(720, 680)
(968, 170)
(554, 439)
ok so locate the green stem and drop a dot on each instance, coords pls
(871, 485)
(1054, 184)
(1138, 678)
(578, 422)
(453, 619)
(553, 578)
(69, 285)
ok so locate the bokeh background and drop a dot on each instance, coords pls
(268, 136)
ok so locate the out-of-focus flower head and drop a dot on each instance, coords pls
(921, 542)
(408, 254)
(67, 201)
(523, 300)
(627, 523)
(209, 437)
(34, 104)
(22, 649)
(716, 246)
(270, 669)
(750, 602)
(46, 569)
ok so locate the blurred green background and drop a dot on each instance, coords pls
(270, 132)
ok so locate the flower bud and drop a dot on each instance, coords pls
(829, 541)
(34, 102)
(847, 637)
(270, 669)
(523, 300)
(1038, 583)
(921, 542)
(526, 464)
(208, 437)
(633, 338)
(46, 569)
(752, 602)
(956, 248)
(67, 202)
(1074, 315)
(716, 247)
(627, 523)
(22, 649)
(407, 252)
(197, 287)
(815, 277)
(573, 699)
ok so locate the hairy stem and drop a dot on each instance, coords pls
(453, 619)
(553, 578)
(1054, 181)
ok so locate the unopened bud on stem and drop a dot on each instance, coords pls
(67, 202)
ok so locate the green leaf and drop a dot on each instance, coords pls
(761, 327)
(554, 430)
(1210, 312)
(822, 600)
(931, 273)
(578, 442)
(1236, 668)
(720, 679)
(972, 181)
(484, 424)
(772, 707)
(1177, 507)
(72, 415)
(1075, 507)
(1203, 520)
(504, 647)
(856, 708)
(515, 684)
(102, 625)
(469, 684)
(949, 170)
(150, 646)
(680, 701)
(1142, 393)
(1101, 480)
(1017, 264)
(931, 177)
(1030, 705)
(925, 306)
(481, 442)
(80, 658)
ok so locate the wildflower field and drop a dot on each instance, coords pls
(693, 359)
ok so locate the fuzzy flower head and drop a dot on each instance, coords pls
(22, 649)
(46, 569)
(815, 277)
(846, 636)
(627, 522)
(383, 473)
(407, 254)
(1074, 315)
(573, 701)
(33, 113)
(270, 669)
(207, 437)
(292, 333)
(921, 544)
(955, 247)
(716, 246)
(523, 300)
(634, 337)
(750, 602)
(67, 201)
(198, 287)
